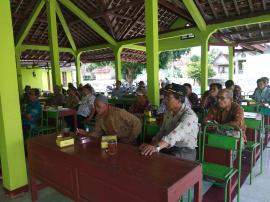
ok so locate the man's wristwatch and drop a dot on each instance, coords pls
(158, 148)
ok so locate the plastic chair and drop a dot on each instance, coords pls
(252, 145)
(216, 171)
(46, 126)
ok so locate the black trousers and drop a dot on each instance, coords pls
(183, 152)
(70, 122)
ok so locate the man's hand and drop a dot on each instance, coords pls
(147, 149)
(81, 132)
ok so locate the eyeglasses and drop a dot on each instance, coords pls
(221, 97)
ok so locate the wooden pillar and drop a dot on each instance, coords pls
(204, 64)
(11, 138)
(231, 68)
(118, 63)
(78, 68)
(53, 40)
(152, 54)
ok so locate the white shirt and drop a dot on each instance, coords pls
(86, 106)
(180, 130)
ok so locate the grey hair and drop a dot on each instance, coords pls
(102, 99)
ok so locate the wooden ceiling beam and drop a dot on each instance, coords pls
(175, 9)
(236, 7)
(253, 30)
(212, 8)
(251, 6)
(123, 6)
(224, 8)
(254, 41)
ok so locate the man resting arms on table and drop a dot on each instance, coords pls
(114, 121)
(178, 133)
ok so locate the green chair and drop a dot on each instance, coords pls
(250, 108)
(265, 111)
(222, 174)
(252, 145)
(49, 123)
(149, 129)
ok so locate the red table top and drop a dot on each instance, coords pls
(159, 169)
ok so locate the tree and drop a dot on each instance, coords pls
(131, 69)
(168, 56)
(194, 69)
(96, 65)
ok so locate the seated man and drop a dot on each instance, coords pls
(58, 98)
(114, 121)
(25, 97)
(266, 81)
(86, 109)
(226, 112)
(141, 86)
(209, 98)
(118, 91)
(178, 133)
(141, 104)
(192, 97)
(229, 84)
(32, 114)
(261, 93)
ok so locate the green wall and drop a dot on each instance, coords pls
(41, 79)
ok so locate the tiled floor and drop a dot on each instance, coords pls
(259, 191)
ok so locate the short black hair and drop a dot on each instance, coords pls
(187, 85)
(229, 83)
(218, 85)
(36, 91)
(260, 80)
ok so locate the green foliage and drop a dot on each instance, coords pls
(194, 69)
(130, 70)
(96, 65)
(167, 56)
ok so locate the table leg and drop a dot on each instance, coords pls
(198, 191)
(34, 189)
(75, 121)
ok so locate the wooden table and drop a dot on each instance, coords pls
(87, 173)
(66, 112)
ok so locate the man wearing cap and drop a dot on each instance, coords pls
(178, 133)
(114, 121)
(141, 104)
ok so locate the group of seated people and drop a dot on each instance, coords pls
(179, 128)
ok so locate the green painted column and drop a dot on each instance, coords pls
(19, 71)
(231, 68)
(118, 63)
(78, 68)
(152, 54)
(53, 40)
(11, 138)
(204, 64)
